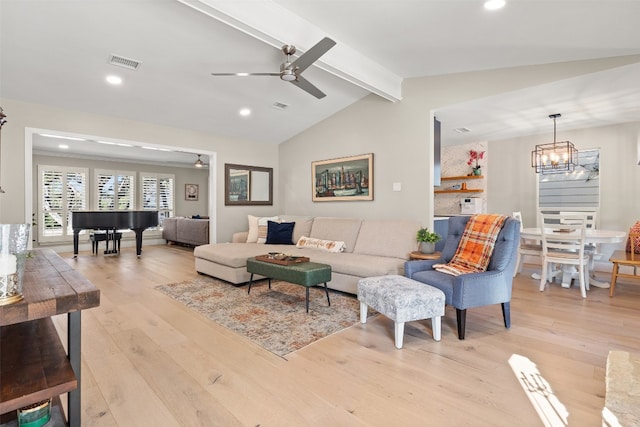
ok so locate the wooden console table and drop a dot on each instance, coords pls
(33, 363)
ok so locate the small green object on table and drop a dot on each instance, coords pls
(307, 274)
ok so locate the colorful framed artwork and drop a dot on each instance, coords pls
(343, 179)
(191, 192)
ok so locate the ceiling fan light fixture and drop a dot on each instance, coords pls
(288, 76)
(199, 163)
(554, 157)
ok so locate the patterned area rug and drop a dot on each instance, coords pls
(273, 318)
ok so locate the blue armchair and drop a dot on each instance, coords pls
(476, 289)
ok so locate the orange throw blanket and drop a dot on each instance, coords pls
(476, 245)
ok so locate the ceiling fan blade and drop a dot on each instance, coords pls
(244, 74)
(306, 85)
(312, 55)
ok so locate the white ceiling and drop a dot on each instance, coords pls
(55, 52)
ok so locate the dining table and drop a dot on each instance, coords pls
(593, 236)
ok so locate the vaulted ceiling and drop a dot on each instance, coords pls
(55, 52)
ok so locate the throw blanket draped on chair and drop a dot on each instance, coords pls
(476, 245)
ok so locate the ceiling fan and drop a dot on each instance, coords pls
(290, 71)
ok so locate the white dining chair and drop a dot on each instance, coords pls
(563, 242)
(525, 248)
(590, 249)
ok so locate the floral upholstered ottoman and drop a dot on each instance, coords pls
(402, 300)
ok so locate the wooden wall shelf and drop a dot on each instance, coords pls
(468, 190)
(456, 178)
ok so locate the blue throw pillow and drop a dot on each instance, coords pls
(280, 233)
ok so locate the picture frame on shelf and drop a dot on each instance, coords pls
(191, 192)
(342, 179)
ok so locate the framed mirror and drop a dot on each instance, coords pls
(247, 185)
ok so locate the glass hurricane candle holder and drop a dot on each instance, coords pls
(14, 239)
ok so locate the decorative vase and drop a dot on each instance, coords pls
(14, 239)
(477, 171)
(427, 247)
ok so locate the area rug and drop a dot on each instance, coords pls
(274, 318)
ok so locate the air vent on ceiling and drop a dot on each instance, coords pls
(463, 130)
(121, 61)
(279, 106)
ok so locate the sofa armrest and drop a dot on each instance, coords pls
(170, 229)
(240, 237)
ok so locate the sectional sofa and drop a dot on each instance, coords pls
(370, 248)
(186, 231)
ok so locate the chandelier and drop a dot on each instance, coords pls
(556, 157)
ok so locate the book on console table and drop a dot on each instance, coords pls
(282, 259)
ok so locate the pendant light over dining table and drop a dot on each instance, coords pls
(555, 157)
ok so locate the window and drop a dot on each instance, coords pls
(61, 191)
(158, 194)
(580, 188)
(115, 190)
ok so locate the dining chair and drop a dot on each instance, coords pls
(525, 248)
(563, 242)
(625, 259)
(590, 249)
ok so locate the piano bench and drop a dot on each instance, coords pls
(100, 236)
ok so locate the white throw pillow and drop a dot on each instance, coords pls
(252, 236)
(258, 228)
(325, 245)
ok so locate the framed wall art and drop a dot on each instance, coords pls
(248, 185)
(343, 179)
(191, 192)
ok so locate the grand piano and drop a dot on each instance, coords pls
(137, 221)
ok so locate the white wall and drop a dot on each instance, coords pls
(619, 197)
(21, 116)
(400, 136)
(454, 163)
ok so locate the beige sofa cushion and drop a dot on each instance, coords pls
(387, 238)
(235, 254)
(340, 229)
(302, 227)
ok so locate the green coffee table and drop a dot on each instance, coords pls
(305, 274)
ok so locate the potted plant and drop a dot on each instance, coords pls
(427, 240)
(474, 158)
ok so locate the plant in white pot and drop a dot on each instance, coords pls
(427, 240)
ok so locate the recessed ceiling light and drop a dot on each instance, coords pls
(494, 4)
(242, 74)
(62, 137)
(245, 112)
(63, 146)
(463, 130)
(114, 80)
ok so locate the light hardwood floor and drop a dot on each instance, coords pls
(150, 361)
